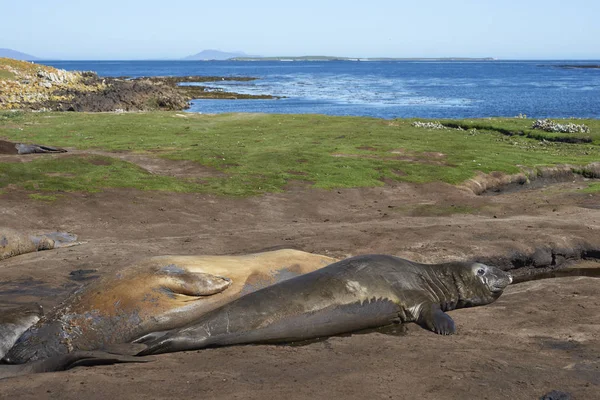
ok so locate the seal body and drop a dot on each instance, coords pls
(14, 243)
(14, 322)
(156, 294)
(357, 293)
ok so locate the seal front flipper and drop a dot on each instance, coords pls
(124, 349)
(14, 322)
(181, 281)
(150, 337)
(434, 319)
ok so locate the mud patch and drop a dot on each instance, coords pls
(297, 173)
(161, 166)
(8, 147)
(297, 185)
(547, 263)
(499, 183)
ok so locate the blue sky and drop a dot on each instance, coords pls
(150, 29)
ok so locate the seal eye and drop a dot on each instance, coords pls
(480, 271)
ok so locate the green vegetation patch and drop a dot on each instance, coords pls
(592, 188)
(523, 127)
(257, 153)
(7, 75)
(84, 174)
(10, 116)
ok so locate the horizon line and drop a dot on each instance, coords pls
(341, 58)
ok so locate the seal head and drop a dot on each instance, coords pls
(479, 284)
(473, 284)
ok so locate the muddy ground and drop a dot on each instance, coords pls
(541, 335)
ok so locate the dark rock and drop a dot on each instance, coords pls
(83, 274)
(557, 395)
(542, 257)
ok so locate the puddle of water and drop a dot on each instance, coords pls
(583, 268)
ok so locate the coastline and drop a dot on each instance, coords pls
(30, 86)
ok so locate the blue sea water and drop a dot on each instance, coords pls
(386, 89)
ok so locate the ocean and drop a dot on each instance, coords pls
(386, 89)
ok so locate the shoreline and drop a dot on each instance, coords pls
(36, 87)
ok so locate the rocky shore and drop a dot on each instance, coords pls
(28, 86)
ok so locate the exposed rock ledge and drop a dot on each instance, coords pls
(29, 86)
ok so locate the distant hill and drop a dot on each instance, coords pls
(17, 55)
(217, 55)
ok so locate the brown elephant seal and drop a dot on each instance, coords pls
(354, 294)
(156, 294)
(14, 243)
(14, 322)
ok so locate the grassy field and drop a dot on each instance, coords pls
(260, 153)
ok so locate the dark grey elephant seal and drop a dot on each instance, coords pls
(24, 148)
(354, 294)
(14, 322)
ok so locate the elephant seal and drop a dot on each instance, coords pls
(23, 148)
(357, 293)
(157, 294)
(14, 243)
(14, 322)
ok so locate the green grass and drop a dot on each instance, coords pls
(10, 116)
(85, 174)
(592, 188)
(261, 153)
(522, 127)
(7, 75)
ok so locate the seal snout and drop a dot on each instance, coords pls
(501, 281)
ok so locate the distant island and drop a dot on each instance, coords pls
(17, 55)
(334, 58)
(579, 66)
(212, 55)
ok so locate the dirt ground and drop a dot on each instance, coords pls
(541, 335)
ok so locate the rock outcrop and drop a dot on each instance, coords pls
(25, 85)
